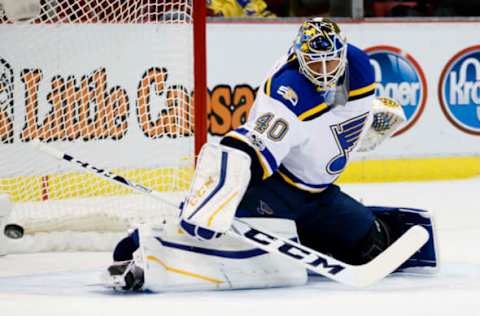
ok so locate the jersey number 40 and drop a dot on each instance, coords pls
(276, 129)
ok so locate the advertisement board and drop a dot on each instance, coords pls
(435, 80)
(432, 69)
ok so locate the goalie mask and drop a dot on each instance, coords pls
(321, 50)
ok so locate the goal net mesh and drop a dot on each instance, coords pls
(109, 82)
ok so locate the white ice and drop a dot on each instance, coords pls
(68, 283)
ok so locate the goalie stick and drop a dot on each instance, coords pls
(356, 276)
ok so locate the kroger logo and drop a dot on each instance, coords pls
(459, 90)
(399, 77)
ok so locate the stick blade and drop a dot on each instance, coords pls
(390, 259)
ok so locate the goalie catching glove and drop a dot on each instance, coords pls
(219, 183)
(388, 116)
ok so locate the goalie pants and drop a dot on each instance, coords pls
(330, 221)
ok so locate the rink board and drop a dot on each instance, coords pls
(81, 185)
(432, 147)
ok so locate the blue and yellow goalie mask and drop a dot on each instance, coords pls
(321, 50)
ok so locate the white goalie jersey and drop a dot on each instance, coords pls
(306, 134)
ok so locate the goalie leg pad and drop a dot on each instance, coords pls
(399, 220)
(173, 261)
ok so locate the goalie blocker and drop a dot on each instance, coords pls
(221, 178)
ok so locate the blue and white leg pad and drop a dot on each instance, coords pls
(425, 260)
(173, 261)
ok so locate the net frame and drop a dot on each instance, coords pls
(111, 225)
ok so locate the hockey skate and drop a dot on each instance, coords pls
(126, 276)
(127, 271)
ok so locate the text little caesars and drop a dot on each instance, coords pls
(87, 108)
(90, 108)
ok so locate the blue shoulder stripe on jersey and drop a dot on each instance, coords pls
(291, 179)
(221, 182)
(268, 84)
(361, 74)
(295, 91)
(291, 88)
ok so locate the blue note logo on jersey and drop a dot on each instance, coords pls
(459, 90)
(347, 135)
(399, 77)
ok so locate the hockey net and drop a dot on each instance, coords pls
(111, 82)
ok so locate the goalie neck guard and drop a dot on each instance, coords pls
(321, 50)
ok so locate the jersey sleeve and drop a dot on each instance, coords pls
(271, 130)
(362, 77)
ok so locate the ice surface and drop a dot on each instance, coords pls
(68, 283)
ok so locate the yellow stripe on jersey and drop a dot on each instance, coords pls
(183, 272)
(268, 86)
(313, 111)
(298, 185)
(363, 90)
(287, 179)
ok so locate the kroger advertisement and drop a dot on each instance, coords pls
(432, 69)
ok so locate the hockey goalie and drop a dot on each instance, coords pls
(278, 171)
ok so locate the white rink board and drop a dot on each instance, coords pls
(238, 54)
(244, 52)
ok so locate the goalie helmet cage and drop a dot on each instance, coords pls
(111, 82)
